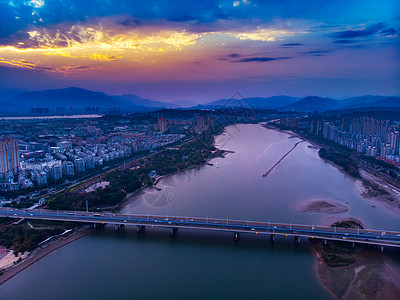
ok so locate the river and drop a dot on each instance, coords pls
(201, 264)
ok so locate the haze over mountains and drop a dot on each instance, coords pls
(306, 104)
(78, 98)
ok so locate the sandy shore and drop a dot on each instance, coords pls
(39, 253)
(368, 277)
(323, 206)
(9, 259)
(386, 195)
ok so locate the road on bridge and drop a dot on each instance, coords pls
(364, 236)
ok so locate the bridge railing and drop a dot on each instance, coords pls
(205, 220)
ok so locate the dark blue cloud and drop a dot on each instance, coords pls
(128, 22)
(291, 45)
(230, 56)
(315, 52)
(20, 15)
(234, 55)
(348, 34)
(345, 41)
(389, 31)
(184, 18)
(259, 59)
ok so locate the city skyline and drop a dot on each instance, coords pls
(202, 51)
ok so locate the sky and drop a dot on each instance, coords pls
(202, 50)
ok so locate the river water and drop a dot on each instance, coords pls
(206, 265)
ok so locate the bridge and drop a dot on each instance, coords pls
(379, 238)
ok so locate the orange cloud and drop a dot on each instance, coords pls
(104, 57)
(22, 63)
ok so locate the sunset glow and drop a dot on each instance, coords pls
(218, 43)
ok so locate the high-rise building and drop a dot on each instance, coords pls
(326, 130)
(68, 167)
(161, 125)
(346, 124)
(9, 157)
(283, 121)
(79, 165)
(315, 127)
(294, 122)
(370, 126)
(395, 142)
(202, 124)
(386, 150)
(56, 172)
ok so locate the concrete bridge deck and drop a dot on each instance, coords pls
(363, 236)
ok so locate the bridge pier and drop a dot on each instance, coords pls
(236, 236)
(140, 228)
(98, 225)
(119, 227)
(297, 240)
(173, 232)
(272, 238)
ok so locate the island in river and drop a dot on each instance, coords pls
(323, 206)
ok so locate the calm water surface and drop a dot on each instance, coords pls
(200, 264)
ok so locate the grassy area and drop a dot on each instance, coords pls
(351, 223)
(338, 254)
(6, 221)
(22, 238)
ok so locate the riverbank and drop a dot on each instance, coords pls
(40, 253)
(373, 187)
(132, 197)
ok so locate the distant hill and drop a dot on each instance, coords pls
(354, 101)
(78, 99)
(69, 97)
(256, 102)
(81, 98)
(147, 102)
(385, 102)
(312, 103)
(379, 112)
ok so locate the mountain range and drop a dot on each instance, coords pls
(257, 102)
(78, 98)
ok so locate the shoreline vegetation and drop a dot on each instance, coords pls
(41, 252)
